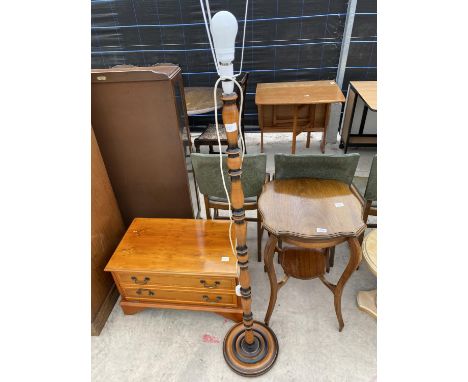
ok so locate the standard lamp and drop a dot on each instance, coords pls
(250, 347)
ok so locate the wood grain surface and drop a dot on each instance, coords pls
(368, 92)
(369, 250)
(298, 93)
(107, 228)
(310, 208)
(175, 246)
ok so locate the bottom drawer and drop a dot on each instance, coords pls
(180, 296)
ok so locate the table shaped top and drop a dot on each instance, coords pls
(368, 92)
(175, 246)
(298, 93)
(310, 209)
(369, 250)
(199, 99)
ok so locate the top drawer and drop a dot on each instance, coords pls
(210, 282)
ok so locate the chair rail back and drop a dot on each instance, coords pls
(337, 167)
(207, 174)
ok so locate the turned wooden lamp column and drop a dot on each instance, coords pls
(250, 347)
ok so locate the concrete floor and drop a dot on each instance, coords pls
(170, 345)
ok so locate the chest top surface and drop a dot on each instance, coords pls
(310, 209)
(298, 93)
(175, 246)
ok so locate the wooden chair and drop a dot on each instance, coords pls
(209, 136)
(337, 167)
(367, 193)
(208, 177)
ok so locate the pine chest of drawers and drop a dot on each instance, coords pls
(176, 264)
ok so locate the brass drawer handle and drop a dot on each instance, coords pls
(135, 280)
(206, 285)
(207, 299)
(140, 291)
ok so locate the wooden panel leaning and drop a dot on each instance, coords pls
(107, 228)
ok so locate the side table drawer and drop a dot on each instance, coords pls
(180, 296)
(155, 279)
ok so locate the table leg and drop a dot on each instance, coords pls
(367, 302)
(293, 151)
(353, 262)
(308, 140)
(363, 119)
(351, 120)
(260, 125)
(268, 259)
(324, 135)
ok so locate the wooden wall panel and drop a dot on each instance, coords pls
(107, 229)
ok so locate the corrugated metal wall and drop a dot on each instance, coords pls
(285, 40)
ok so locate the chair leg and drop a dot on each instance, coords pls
(365, 213)
(261, 141)
(197, 148)
(207, 208)
(280, 246)
(259, 238)
(308, 140)
(332, 256)
(211, 149)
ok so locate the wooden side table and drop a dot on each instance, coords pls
(177, 264)
(313, 215)
(367, 300)
(367, 91)
(296, 107)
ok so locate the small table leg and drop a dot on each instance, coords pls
(324, 135)
(268, 259)
(353, 262)
(293, 151)
(346, 143)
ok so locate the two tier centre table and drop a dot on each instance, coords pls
(312, 215)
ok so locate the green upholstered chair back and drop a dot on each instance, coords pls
(371, 188)
(337, 167)
(208, 176)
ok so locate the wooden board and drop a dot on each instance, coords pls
(298, 93)
(368, 92)
(107, 229)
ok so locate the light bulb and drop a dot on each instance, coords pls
(224, 30)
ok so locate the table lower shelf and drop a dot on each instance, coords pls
(132, 307)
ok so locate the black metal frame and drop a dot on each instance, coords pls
(348, 144)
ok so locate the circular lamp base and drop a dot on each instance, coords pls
(250, 360)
